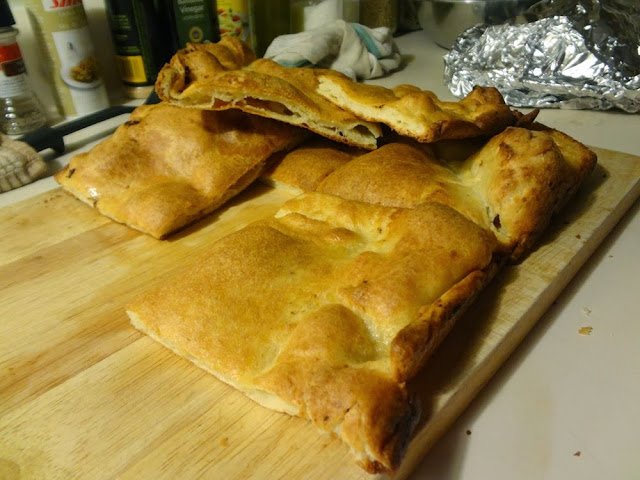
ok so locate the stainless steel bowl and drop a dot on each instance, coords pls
(444, 20)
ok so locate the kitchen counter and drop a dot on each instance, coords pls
(566, 403)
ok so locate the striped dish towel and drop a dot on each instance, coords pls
(351, 48)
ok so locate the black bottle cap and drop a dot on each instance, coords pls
(6, 17)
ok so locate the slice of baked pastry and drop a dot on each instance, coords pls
(418, 113)
(167, 166)
(196, 78)
(325, 310)
(304, 167)
(510, 185)
(524, 176)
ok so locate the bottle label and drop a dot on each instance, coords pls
(131, 48)
(63, 32)
(13, 75)
(233, 17)
(196, 21)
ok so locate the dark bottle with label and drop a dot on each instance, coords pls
(138, 29)
(192, 21)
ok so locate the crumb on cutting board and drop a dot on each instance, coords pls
(585, 330)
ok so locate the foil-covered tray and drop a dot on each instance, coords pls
(560, 54)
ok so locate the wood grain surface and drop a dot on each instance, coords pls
(84, 395)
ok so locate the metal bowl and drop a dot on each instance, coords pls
(444, 20)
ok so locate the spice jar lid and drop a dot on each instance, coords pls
(6, 17)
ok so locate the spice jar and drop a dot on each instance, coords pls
(233, 17)
(20, 110)
(379, 13)
(68, 53)
(310, 14)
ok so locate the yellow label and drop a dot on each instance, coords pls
(131, 69)
(234, 19)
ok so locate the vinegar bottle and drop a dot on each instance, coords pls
(20, 110)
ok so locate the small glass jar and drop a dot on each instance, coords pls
(20, 110)
(310, 14)
(379, 13)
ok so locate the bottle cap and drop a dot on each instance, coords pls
(6, 17)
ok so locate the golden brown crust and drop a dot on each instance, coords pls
(525, 176)
(512, 185)
(195, 78)
(349, 289)
(198, 60)
(403, 175)
(325, 288)
(167, 167)
(302, 169)
(414, 345)
(419, 114)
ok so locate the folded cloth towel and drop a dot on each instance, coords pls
(353, 49)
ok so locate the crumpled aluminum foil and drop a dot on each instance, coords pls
(579, 55)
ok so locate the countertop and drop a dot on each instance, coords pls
(566, 404)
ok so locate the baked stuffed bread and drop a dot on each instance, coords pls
(325, 310)
(510, 185)
(196, 78)
(419, 114)
(303, 168)
(167, 167)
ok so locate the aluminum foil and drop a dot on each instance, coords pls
(568, 54)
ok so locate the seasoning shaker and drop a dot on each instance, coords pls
(234, 20)
(67, 52)
(379, 13)
(310, 14)
(20, 110)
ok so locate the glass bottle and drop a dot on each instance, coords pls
(310, 14)
(234, 18)
(379, 13)
(270, 20)
(20, 110)
(142, 47)
(193, 21)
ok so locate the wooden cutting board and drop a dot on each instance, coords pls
(84, 395)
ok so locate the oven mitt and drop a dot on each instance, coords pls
(351, 48)
(19, 164)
